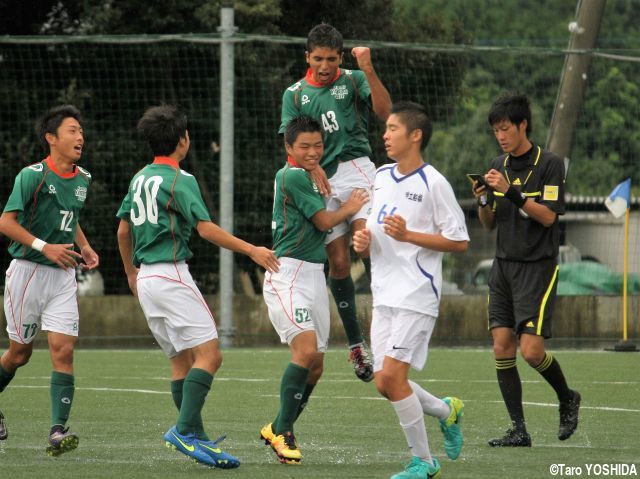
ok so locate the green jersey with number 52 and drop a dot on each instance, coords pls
(48, 204)
(163, 206)
(342, 108)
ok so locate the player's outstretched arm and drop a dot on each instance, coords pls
(89, 256)
(60, 254)
(125, 245)
(380, 98)
(259, 254)
(396, 227)
(324, 220)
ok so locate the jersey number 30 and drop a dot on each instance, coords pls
(147, 207)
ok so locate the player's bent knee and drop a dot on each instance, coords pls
(17, 359)
(381, 387)
(501, 350)
(533, 358)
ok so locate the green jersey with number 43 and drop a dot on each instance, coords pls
(48, 204)
(295, 200)
(163, 206)
(342, 108)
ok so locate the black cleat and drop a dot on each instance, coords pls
(569, 416)
(361, 362)
(3, 428)
(513, 438)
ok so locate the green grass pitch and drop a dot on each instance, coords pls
(122, 407)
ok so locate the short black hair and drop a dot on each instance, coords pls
(415, 117)
(162, 127)
(512, 106)
(300, 124)
(324, 35)
(51, 121)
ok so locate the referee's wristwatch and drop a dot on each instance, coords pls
(482, 201)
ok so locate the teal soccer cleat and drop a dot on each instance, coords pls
(450, 427)
(419, 469)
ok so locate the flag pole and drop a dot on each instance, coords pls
(619, 203)
(625, 345)
(624, 280)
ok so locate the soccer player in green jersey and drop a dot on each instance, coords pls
(41, 217)
(161, 209)
(340, 100)
(296, 295)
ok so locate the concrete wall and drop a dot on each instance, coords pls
(117, 321)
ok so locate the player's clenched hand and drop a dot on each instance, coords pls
(359, 197)
(61, 254)
(319, 177)
(132, 279)
(396, 227)
(361, 240)
(265, 258)
(363, 57)
(90, 257)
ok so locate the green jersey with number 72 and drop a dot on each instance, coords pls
(48, 204)
(342, 108)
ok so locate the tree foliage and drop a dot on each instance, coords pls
(457, 87)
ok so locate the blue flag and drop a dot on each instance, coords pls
(619, 199)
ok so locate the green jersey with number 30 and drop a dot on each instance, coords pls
(295, 200)
(163, 205)
(342, 108)
(48, 204)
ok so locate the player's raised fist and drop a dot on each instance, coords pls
(362, 56)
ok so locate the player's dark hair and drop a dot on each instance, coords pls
(51, 121)
(300, 124)
(511, 106)
(162, 127)
(324, 35)
(414, 116)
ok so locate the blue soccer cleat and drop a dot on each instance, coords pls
(450, 427)
(419, 469)
(188, 445)
(221, 458)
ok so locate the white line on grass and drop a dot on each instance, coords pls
(366, 398)
(348, 379)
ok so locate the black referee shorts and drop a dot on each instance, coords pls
(522, 295)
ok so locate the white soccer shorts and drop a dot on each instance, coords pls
(298, 301)
(176, 312)
(401, 334)
(358, 173)
(40, 297)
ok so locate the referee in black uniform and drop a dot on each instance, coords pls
(522, 196)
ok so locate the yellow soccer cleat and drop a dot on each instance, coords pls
(285, 447)
(267, 434)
